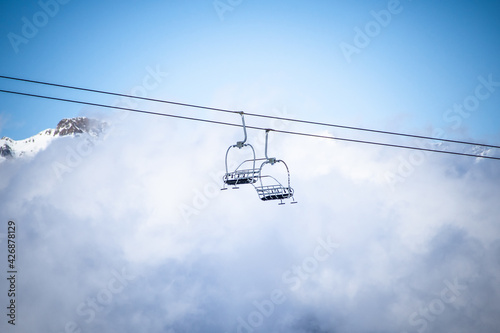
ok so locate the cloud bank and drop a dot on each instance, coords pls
(131, 233)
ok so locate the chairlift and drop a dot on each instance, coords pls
(245, 172)
(271, 188)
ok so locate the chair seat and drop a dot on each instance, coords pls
(247, 176)
(274, 192)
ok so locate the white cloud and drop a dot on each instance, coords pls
(119, 208)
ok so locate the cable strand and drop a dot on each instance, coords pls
(254, 114)
(250, 127)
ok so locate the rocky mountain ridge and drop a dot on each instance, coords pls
(66, 127)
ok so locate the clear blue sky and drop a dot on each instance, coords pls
(261, 55)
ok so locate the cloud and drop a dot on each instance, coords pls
(104, 245)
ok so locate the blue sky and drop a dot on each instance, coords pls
(425, 60)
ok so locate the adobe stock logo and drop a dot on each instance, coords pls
(89, 309)
(293, 278)
(77, 153)
(421, 319)
(221, 7)
(484, 90)
(456, 115)
(372, 29)
(30, 28)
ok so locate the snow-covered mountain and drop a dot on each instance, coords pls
(31, 146)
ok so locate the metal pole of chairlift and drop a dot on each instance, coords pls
(271, 160)
(240, 144)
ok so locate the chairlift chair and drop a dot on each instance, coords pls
(272, 189)
(245, 172)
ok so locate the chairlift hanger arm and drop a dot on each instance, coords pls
(240, 144)
(271, 160)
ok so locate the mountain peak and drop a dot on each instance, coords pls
(69, 126)
(66, 127)
(6, 151)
